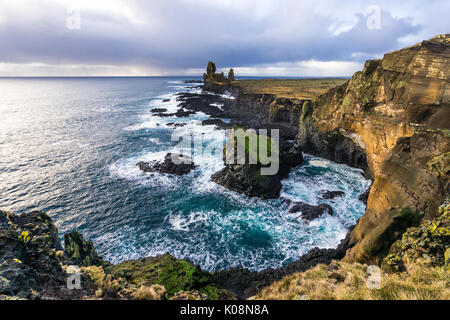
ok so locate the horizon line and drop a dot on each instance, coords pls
(180, 76)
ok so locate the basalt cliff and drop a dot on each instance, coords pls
(398, 111)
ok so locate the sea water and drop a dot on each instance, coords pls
(69, 146)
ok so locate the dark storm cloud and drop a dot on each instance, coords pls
(185, 34)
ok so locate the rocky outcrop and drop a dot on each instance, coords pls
(428, 244)
(173, 164)
(269, 111)
(310, 212)
(215, 81)
(327, 194)
(80, 251)
(31, 258)
(206, 103)
(248, 178)
(231, 75)
(395, 112)
(33, 266)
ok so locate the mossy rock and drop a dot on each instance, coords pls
(80, 251)
(440, 165)
(447, 257)
(175, 275)
(428, 242)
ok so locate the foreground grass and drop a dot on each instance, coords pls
(343, 281)
(417, 268)
(290, 88)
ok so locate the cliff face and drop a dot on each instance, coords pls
(397, 110)
(268, 109)
(392, 120)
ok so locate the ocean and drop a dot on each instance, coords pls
(69, 147)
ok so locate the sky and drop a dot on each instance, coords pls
(290, 38)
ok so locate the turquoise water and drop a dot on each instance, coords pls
(69, 146)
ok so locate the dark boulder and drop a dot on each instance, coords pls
(158, 110)
(176, 124)
(333, 145)
(181, 113)
(192, 81)
(291, 156)
(173, 164)
(247, 179)
(310, 212)
(162, 114)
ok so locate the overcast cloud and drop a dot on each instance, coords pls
(175, 37)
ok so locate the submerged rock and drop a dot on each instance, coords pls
(176, 124)
(173, 164)
(310, 212)
(158, 110)
(180, 113)
(215, 122)
(204, 102)
(327, 194)
(192, 81)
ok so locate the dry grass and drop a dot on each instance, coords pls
(345, 281)
(104, 283)
(290, 88)
(155, 292)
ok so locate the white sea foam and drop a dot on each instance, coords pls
(210, 237)
(227, 95)
(181, 223)
(218, 105)
(154, 140)
(319, 163)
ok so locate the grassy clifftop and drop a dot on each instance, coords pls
(289, 88)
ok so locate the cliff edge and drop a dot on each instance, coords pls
(397, 110)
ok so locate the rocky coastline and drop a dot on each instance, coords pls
(390, 120)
